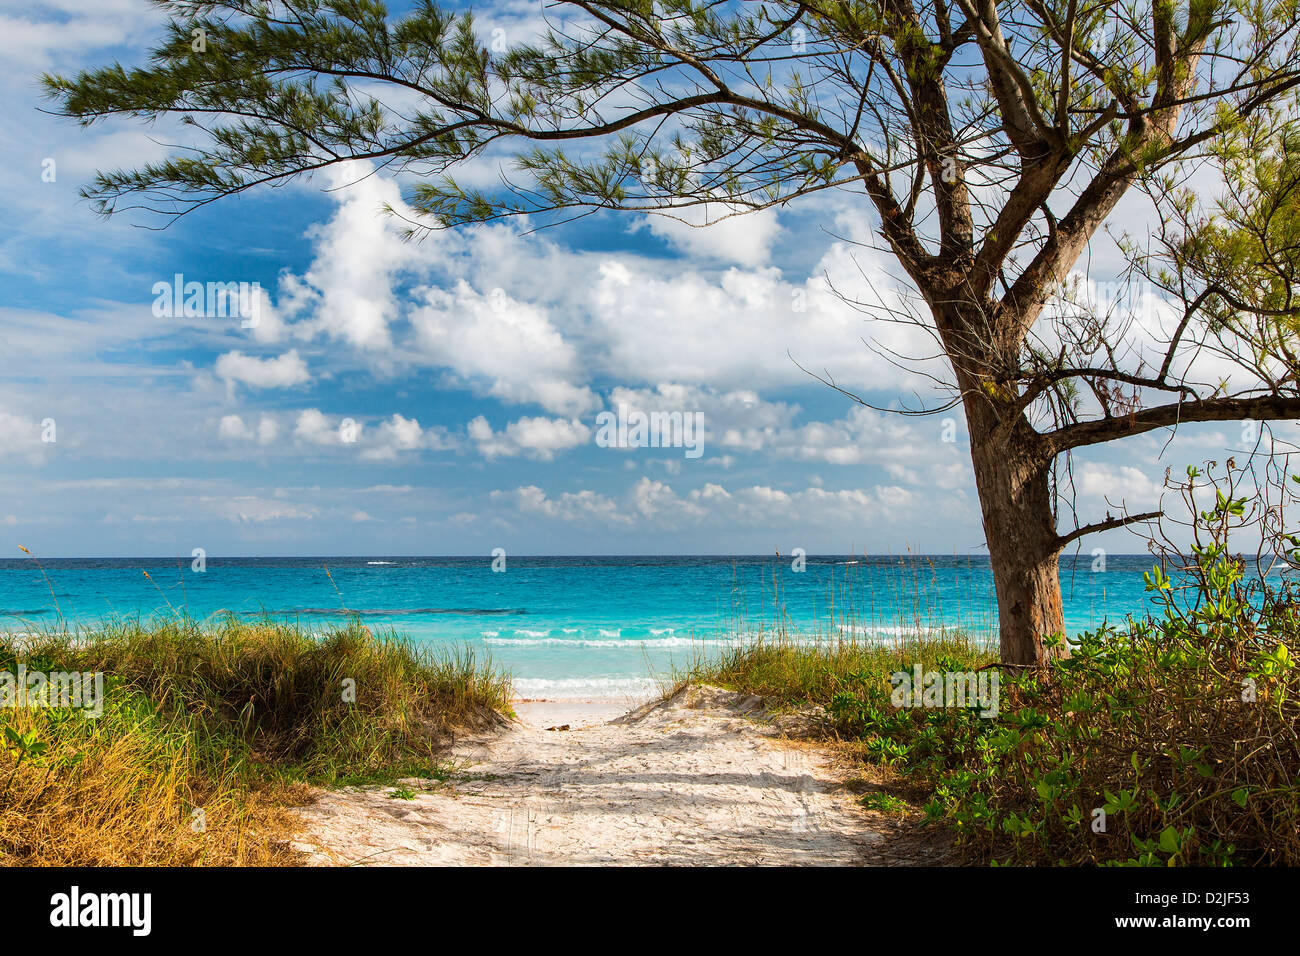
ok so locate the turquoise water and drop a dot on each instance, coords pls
(566, 626)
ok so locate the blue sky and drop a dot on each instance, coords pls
(471, 367)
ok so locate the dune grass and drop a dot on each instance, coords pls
(846, 641)
(796, 674)
(210, 731)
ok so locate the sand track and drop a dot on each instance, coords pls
(701, 778)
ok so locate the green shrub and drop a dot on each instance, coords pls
(1170, 741)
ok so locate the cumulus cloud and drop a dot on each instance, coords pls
(712, 231)
(522, 319)
(385, 440)
(655, 505)
(1140, 323)
(283, 371)
(267, 325)
(399, 434)
(509, 345)
(654, 498)
(1118, 485)
(725, 412)
(348, 292)
(314, 427)
(747, 325)
(863, 436)
(519, 318)
(233, 428)
(570, 506)
(37, 38)
(537, 437)
(741, 421)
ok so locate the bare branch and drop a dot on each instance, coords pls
(1108, 525)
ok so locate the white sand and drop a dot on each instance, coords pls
(702, 778)
(574, 711)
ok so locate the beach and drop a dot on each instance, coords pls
(542, 713)
(705, 777)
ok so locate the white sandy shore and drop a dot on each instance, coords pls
(703, 778)
(574, 711)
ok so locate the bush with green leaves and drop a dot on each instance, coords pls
(1172, 740)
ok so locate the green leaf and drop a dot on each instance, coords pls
(1170, 841)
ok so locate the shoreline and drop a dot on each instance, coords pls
(584, 711)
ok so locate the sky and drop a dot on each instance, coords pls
(442, 397)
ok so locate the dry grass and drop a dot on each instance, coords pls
(122, 792)
(208, 734)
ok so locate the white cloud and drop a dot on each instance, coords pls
(233, 428)
(864, 436)
(397, 434)
(510, 344)
(316, 428)
(29, 44)
(382, 442)
(745, 240)
(653, 499)
(724, 412)
(268, 325)
(1118, 486)
(535, 437)
(267, 430)
(282, 372)
(251, 509)
(651, 323)
(656, 506)
(524, 320)
(400, 434)
(348, 289)
(742, 421)
(21, 434)
(577, 506)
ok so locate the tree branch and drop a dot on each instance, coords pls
(1260, 408)
(1108, 525)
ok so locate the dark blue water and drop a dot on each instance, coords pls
(567, 626)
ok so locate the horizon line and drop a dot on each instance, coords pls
(488, 554)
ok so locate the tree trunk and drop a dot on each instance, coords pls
(1020, 528)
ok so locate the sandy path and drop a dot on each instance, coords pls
(692, 780)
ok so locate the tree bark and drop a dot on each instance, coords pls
(1012, 478)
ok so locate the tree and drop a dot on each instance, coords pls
(990, 140)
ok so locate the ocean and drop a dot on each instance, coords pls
(568, 626)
